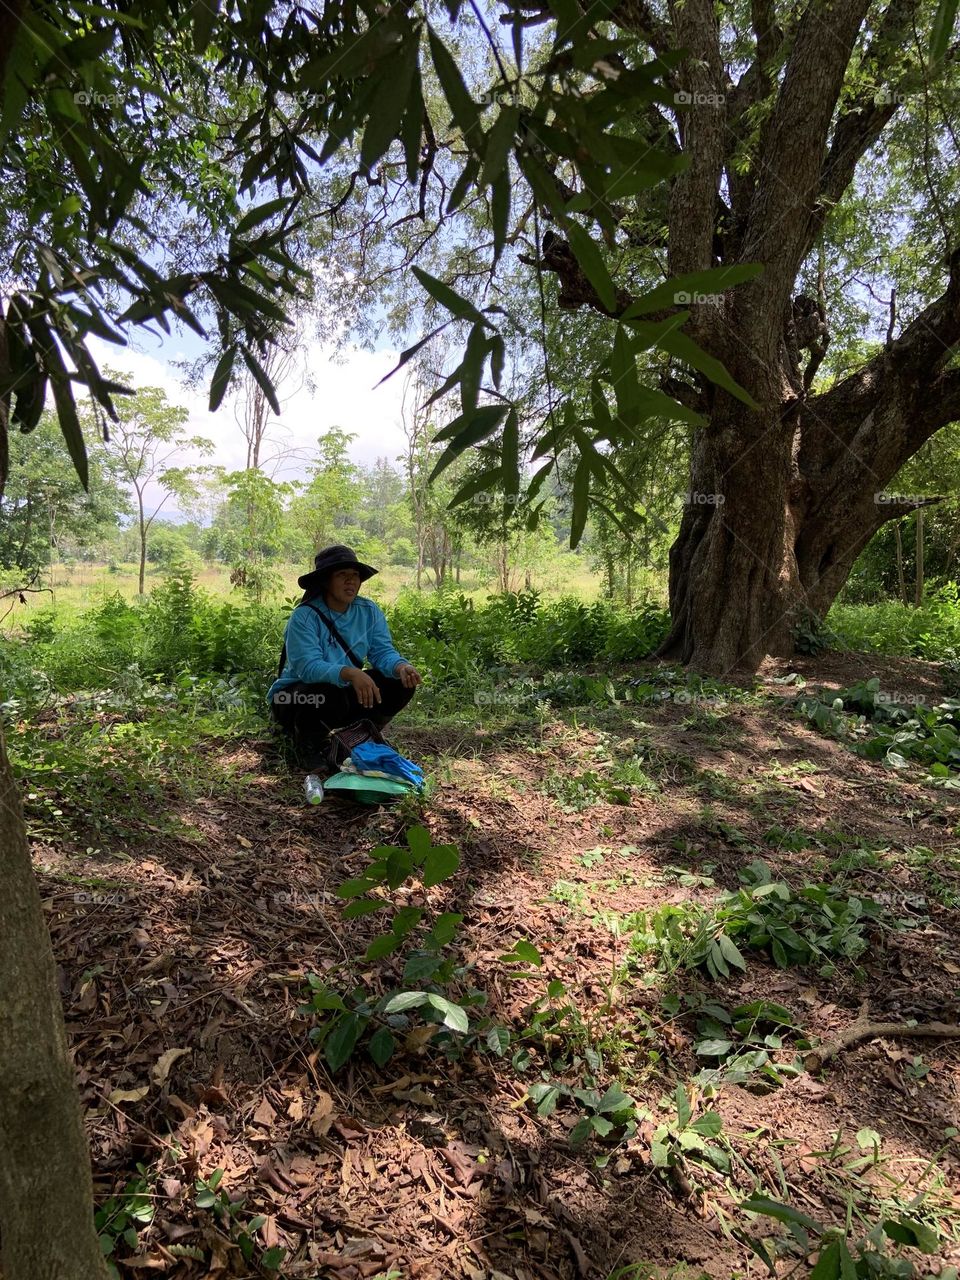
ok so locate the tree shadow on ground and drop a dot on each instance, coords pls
(437, 1164)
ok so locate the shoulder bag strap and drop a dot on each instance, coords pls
(336, 634)
(333, 631)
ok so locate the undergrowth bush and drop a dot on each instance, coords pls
(179, 628)
(931, 631)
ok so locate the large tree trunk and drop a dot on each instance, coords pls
(46, 1194)
(730, 590)
(784, 494)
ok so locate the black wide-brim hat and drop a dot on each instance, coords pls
(328, 561)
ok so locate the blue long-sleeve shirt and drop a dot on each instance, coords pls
(314, 657)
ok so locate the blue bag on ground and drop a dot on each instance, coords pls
(379, 757)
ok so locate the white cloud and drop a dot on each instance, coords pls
(344, 395)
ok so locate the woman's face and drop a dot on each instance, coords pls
(342, 588)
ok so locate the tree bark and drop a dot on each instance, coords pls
(46, 1192)
(901, 583)
(918, 584)
(143, 544)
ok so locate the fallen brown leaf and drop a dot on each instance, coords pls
(321, 1117)
(163, 1064)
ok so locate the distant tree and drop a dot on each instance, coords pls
(329, 502)
(167, 545)
(146, 442)
(251, 529)
(44, 506)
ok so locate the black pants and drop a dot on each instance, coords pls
(309, 711)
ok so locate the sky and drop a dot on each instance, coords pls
(345, 395)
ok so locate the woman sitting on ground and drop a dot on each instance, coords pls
(329, 636)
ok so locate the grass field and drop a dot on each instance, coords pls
(81, 584)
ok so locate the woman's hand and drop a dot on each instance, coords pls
(408, 675)
(363, 686)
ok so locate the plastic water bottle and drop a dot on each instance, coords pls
(313, 789)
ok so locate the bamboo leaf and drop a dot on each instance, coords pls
(449, 298)
(686, 349)
(63, 399)
(680, 290)
(253, 217)
(581, 502)
(221, 377)
(412, 351)
(476, 484)
(588, 254)
(942, 29)
(484, 424)
(464, 110)
(510, 454)
(263, 382)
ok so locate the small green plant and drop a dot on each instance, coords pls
(124, 1215)
(841, 1255)
(569, 895)
(591, 857)
(811, 635)
(742, 1042)
(577, 791)
(683, 1138)
(551, 1023)
(211, 1195)
(890, 728)
(813, 925)
(611, 1114)
(343, 1020)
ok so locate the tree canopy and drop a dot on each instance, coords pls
(537, 170)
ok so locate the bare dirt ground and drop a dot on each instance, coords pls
(182, 976)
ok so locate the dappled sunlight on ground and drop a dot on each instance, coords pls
(195, 931)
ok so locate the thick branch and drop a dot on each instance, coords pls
(938, 403)
(792, 152)
(693, 198)
(638, 16)
(913, 363)
(575, 289)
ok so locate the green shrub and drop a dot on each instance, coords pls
(932, 631)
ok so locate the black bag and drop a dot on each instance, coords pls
(342, 741)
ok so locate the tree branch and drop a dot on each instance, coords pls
(638, 16)
(892, 405)
(863, 1029)
(693, 197)
(791, 158)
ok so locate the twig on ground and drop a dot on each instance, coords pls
(863, 1029)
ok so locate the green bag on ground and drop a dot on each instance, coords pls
(366, 790)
